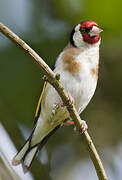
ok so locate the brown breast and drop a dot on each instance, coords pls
(69, 59)
(94, 72)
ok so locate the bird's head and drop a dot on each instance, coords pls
(85, 33)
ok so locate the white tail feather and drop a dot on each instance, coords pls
(29, 157)
(27, 153)
(17, 159)
(24, 158)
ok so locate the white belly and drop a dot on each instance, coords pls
(81, 86)
(81, 89)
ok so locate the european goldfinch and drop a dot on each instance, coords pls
(77, 65)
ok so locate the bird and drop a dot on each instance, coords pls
(78, 66)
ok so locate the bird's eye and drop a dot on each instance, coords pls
(84, 30)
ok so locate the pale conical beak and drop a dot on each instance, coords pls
(95, 31)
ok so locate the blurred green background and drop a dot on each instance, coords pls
(46, 25)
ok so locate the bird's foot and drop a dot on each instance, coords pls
(56, 106)
(84, 126)
(60, 104)
(70, 98)
(68, 122)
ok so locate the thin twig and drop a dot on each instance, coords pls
(55, 82)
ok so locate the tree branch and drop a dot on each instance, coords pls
(55, 82)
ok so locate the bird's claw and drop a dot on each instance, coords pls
(84, 126)
(57, 105)
(68, 122)
(70, 98)
(61, 104)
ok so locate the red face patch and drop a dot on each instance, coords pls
(90, 40)
(86, 37)
(88, 24)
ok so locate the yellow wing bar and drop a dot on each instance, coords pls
(39, 102)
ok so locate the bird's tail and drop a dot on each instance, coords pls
(27, 153)
(25, 156)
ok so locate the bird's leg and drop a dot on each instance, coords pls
(68, 122)
(70, 98)
(57, 105)
(84, 126)
(61, 104)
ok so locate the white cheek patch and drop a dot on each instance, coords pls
(77, 28)
(78, 39)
